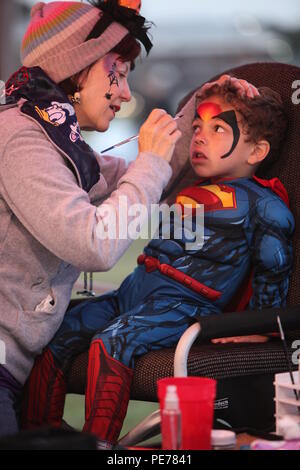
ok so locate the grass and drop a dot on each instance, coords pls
(124, 266)
(137, 410)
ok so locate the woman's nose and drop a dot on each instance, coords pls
(126, 93)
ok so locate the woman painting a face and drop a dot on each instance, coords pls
(76, 58)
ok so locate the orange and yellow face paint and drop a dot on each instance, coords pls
(209, 110)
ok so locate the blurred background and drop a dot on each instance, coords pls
(193, 41)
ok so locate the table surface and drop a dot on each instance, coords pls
(242, 439)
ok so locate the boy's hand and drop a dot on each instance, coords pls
(242, 339)
(244, 88)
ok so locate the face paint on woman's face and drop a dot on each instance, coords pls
(108, 75)
(207, 111)
(113, 80)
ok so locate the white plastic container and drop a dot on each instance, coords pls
(223, 439)
(286, 403)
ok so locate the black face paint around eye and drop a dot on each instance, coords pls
(230, 118)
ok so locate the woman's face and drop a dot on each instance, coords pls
(102, 92)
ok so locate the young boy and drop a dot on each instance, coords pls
(246, 227)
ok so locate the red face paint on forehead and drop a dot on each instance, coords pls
(207, 111)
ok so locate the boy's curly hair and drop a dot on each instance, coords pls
(263, 117)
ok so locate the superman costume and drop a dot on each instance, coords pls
(247, 228)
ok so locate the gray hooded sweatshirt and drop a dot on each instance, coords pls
(48, 228)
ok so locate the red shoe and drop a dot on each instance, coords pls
(107, 394)
(44, 394)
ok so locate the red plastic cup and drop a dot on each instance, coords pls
(196, 400)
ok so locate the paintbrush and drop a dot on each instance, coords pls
(130, 139)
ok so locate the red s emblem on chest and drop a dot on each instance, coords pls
(214, 197)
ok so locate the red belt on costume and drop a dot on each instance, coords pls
(151, 264)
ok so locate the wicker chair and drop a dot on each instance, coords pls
(242, 370)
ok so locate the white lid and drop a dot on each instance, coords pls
(222, 438)
(171, 398)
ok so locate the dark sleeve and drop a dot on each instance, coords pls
(272, 255)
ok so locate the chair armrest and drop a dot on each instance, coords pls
(249, 322)
(233, 324)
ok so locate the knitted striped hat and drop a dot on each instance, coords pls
(55, 38)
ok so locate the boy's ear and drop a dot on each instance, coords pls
(259, 152)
